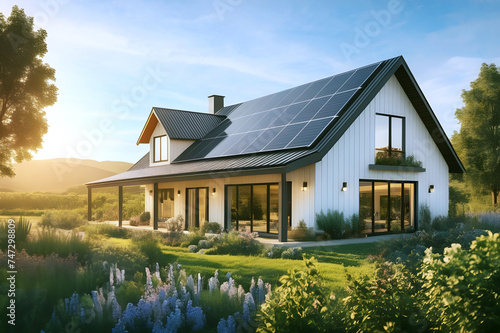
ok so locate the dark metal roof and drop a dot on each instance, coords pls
(291, 159)
(189, 125)
(142, 173)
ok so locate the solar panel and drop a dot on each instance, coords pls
(334, 105)
(264, 138)
(310, 132)
(292, 118)
(284, 137)
(310, 109)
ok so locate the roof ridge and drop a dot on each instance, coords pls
(187, 111)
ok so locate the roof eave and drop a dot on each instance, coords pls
(148, 128)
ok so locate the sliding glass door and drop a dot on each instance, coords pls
(196, 207)
(254, 207)
(386, 206)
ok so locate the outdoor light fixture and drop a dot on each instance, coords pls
(150, 192)
(344, 187)
(178, 193)
(304, 186)
(213, 192)
(431, 188)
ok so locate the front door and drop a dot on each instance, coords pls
(196, 207)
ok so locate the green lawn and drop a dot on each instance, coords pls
(334, 262)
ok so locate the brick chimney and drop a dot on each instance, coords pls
(215, 103)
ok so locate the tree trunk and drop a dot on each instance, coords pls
(494, 195)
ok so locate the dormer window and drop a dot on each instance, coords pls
(160, 149)
(389, 136)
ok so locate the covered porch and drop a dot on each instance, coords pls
(256, 200)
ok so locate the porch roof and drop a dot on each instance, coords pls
(142, 173)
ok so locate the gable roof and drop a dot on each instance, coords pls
(180, 124)
(291, 128)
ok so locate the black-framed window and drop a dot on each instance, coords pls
(387, 206)
(196, 207)
(160, 148)
(389, 136)
(254, 207)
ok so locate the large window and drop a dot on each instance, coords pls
(254, 207)
(386, 206)
(389, 136)
(160, 148)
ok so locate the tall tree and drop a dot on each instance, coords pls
(478, 142)
(26, 88)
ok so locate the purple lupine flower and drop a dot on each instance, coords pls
(129, 315)
(74, 304)
(174, 321)
(262, 292)
(228, 275)
(222, 326)
(250, 302)
(145, 309)
(82, 315)
(254, 290)
(97, 303)
(123, 276)
(119, 328)
(195, 316)
(246, 314)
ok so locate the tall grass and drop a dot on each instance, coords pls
(50, 241)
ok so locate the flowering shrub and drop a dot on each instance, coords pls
(236, 243)
(292, 253)
(211, 227)
(64, 219)
(461, 288)
(175, 224)
(170, 303)
(299, 304)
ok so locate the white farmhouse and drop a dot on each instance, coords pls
(349, 142)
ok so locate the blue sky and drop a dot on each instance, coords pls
(115, 60)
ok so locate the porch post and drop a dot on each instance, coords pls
(283, 229)
(89, 203)
(120, 205)
(155, 206)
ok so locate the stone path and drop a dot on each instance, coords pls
(370, 239)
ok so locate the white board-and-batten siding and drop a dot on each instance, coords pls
(349, 158)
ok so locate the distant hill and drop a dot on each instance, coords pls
(59, 174)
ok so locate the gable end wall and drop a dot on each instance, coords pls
(349, 158)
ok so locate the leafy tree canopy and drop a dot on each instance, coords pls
(478, 142)
(26, 88)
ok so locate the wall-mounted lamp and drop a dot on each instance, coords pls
(344, 187)
(178, 193)
(213, 191)
(304, 186)
(150, 192)
(431, 188)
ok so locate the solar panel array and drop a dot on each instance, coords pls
(293, 118)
